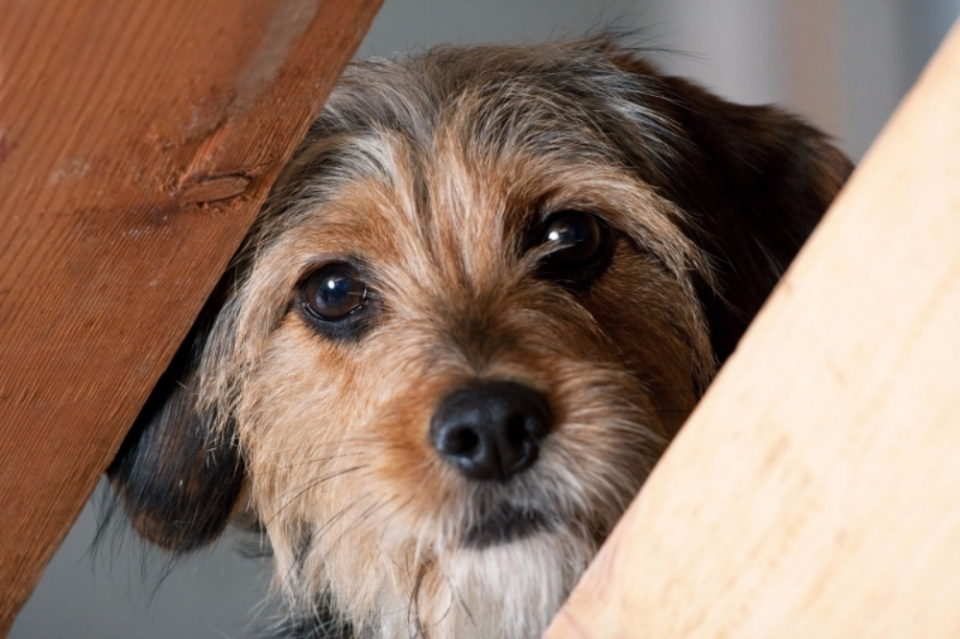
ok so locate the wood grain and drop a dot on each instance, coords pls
(137, 140)
(815, 492)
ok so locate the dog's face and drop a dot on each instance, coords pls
(471, 359)
(479, 303)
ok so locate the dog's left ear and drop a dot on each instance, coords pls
(178, 481)
(753, 182)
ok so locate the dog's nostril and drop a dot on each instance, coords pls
(460, 441)
(491, 431)
(517, 429)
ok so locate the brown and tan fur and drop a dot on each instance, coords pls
(432, 175)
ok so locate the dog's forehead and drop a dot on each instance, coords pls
(446, 161)
(458, 203)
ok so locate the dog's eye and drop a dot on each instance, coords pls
(333, 298)
(334, 291)
(577, 245)
(576, 235)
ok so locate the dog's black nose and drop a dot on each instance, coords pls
(492, 430)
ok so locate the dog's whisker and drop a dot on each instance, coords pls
(288, 581)
(315, 536)
(317, 460)
(319, 534)
(344, 445)
(360, 518)
(413, 607)
(300, 492)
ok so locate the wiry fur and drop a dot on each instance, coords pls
(429, 174)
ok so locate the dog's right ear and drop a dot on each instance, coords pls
(753, 182)
(758, 181)
(178, 481)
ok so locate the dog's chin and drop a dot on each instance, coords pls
(506, 525)
(507, 579)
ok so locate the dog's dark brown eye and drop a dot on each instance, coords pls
(334, 291)
(333, 298)
(578, 247)
(576, 235)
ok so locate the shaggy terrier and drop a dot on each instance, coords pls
(479, 302)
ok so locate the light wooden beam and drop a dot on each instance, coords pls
(137, 140)
(815, 492)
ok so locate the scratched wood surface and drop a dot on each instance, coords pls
(815, 492)
(137, 140)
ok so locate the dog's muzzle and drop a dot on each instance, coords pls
(491, 431)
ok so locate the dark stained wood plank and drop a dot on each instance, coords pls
(137, 140)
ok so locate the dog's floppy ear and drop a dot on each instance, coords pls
(753, 182)
(178, 481)
(761, 182)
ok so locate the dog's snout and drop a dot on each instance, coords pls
(491, 431)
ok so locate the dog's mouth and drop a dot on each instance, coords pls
(510, 523)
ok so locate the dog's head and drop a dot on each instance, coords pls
(478, 304)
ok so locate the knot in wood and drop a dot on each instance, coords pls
(202, 189)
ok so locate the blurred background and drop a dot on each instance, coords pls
(842, 64)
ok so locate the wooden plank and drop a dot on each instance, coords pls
(815, 492)
(137, 140)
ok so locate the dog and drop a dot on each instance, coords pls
(477, 305)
